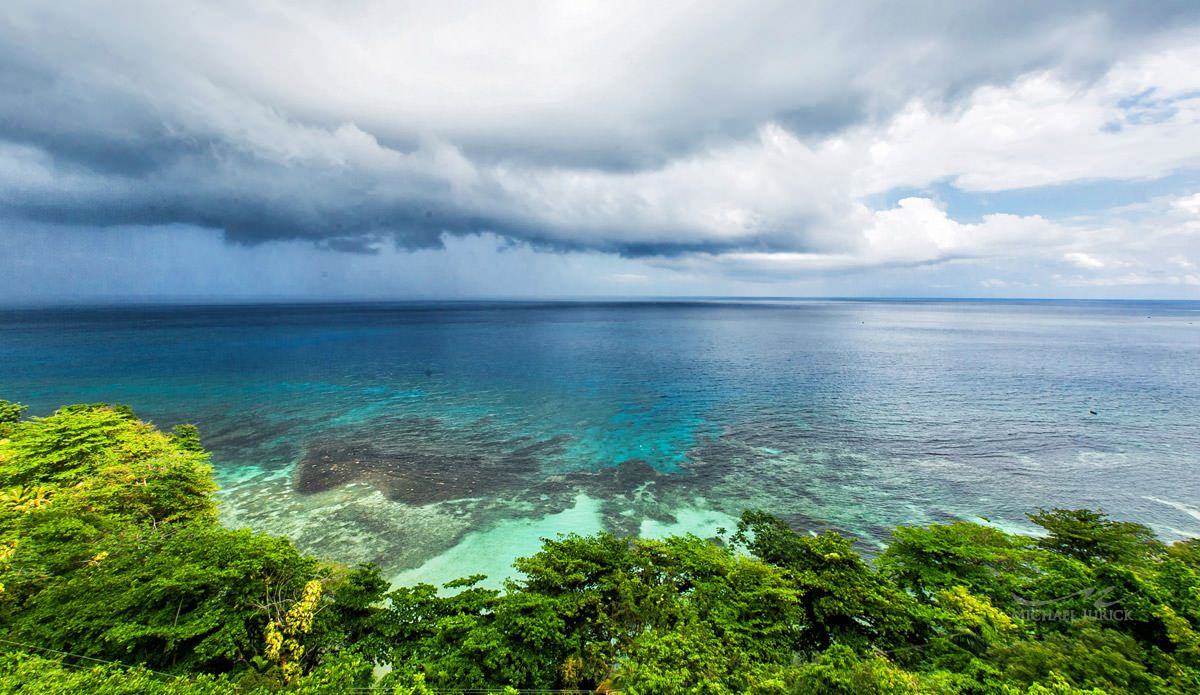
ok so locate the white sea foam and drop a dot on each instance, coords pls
(1190, 511)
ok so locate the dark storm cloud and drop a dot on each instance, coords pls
(250, 201)
(300, 122)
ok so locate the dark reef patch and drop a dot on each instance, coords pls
(427, 474)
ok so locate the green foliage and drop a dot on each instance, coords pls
(21, 672)
(1087, 656)
(187, 437)
(1092, 537)
(190, 597)
(841, 671)
(66, 446)
(109, 548)
(72, 483)
(844, 600)
(989, 562)
(25, 673)
(10, 414)
(110, 551)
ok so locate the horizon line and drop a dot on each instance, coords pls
(205, 301)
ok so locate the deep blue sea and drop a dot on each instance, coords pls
(441, 439)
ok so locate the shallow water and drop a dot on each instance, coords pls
(441, 439)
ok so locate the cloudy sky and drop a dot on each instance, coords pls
(233, 150)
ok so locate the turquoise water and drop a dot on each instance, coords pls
(439, 439)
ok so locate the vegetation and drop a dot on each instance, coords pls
(115, 577)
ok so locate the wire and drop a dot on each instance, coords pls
(89, 658)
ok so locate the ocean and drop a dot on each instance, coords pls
(440, 439)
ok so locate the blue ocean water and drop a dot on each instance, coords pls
(440, 438)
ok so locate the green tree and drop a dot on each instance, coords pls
(844, 600)
(1093, 538)
(985, 560)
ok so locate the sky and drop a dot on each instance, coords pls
(388, 150)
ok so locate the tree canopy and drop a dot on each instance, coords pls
(116, 577)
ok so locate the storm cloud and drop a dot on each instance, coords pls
(751, 137)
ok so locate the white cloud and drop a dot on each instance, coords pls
(1141, 120)
(1083, 260)
(1189, 204)
(916, 232)
(796, 194)
(612, 77)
